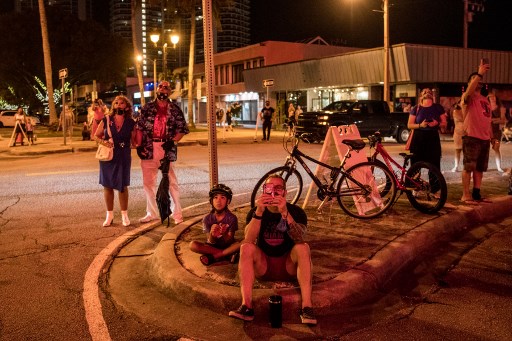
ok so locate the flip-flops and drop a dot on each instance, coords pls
(470, 202)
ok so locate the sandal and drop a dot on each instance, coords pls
(469, 202)
(207, 260)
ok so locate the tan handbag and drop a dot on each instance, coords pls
(106, 153)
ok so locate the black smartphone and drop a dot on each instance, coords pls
(268, 189)
(485, 61)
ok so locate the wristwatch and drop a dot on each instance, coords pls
(255, 216)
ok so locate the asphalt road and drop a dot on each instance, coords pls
(51, 210)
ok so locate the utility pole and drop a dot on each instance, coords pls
(386, 50)
(470, 7)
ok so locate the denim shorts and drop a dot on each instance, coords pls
(476, 154)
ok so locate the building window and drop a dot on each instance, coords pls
(237, 73)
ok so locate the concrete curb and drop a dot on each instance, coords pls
(359, 285)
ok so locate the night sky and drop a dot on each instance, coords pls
(356, 23)
(432, 22)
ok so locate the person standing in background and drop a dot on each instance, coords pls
(21, 120)
(117, 126)
(291, 119)
(30, 131)
(160, 121)
(98, 112)
(458, 131)
(476, 112)
(267, 116)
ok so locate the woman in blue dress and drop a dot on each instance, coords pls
(115, 174)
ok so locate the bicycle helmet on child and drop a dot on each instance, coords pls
(221, 189)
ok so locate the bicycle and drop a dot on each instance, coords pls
(356, 189)
(423, 183)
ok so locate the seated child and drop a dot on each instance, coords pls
(220, 226)
(86, 133)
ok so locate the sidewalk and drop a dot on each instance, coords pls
(51, 145)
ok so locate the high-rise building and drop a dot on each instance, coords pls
(81, 8)
(167, 20)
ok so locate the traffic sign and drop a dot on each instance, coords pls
(63, 73)
(268, 82)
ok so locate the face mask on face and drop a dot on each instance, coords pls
(162, 96)
(119, 111)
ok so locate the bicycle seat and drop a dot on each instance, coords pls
(406, 156)
(355, 144)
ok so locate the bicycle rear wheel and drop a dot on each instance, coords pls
(293, 181)
(370, 201)
(428, 190)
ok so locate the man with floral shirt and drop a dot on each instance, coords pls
(160, 121)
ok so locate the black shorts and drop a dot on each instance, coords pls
(276, 269)
(476, 154)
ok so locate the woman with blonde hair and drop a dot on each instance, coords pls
(117, 129)
(498, 121)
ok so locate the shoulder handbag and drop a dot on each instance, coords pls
(106, 153)
(408, 143)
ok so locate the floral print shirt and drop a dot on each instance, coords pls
(176, 124)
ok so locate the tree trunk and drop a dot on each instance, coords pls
(190, 96)
(136, 52)
(47, 62)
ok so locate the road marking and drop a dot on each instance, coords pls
(97, 326)
(63, 172)
(92, 303)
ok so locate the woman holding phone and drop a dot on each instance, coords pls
(426, 118)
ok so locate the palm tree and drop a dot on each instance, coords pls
(47, 62)
(189, 7)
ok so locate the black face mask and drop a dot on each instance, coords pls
(119, 111)
(162, 96)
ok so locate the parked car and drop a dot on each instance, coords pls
(368, 115)
(7, 118)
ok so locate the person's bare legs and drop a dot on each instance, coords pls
(123, 199)
(497, 155)
(108, 195)
(477, 179)
(301, 257)
(123, 203)
(205, 249)
(251, 264)
(456, 159)
(466, 180)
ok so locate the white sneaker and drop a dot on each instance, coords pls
(147, 218)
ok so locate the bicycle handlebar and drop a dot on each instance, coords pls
(373, 139)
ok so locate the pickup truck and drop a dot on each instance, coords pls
(369, 116)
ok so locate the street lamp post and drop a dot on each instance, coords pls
(164, 61)
(155, 37)
(386, 50)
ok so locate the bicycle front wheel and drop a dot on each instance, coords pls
(293, 181)
(427, 190)
(368, 200)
